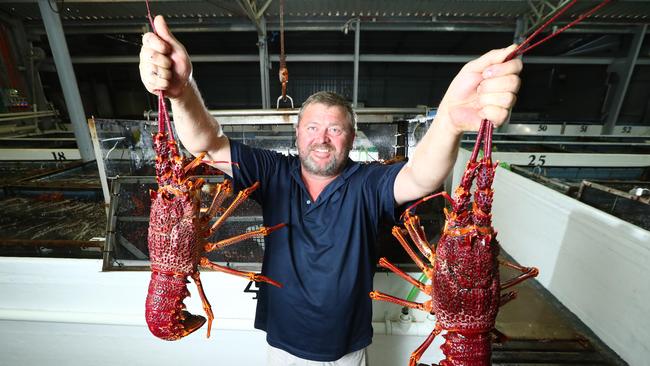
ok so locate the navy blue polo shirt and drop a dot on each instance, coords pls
(325, 257)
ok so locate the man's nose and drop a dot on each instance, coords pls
(322, 136)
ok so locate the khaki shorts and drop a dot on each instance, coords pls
(278, 357)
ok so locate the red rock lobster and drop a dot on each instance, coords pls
(463, 267)
(177, 238)
(178, 233)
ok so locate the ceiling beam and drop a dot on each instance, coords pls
(541, 11)
(259, 22)
(362, 58)
(308, 26)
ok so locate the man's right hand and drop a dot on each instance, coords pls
(164, 62)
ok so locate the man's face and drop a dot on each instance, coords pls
(324, 137)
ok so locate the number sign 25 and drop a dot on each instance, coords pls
(536, 160)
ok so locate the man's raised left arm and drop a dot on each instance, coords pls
(485, 88)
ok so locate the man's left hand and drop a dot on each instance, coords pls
(485, 88)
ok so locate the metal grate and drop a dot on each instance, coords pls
(50, 225)
(615, 198)
(129, 221)
(609, 189)
(547, 352)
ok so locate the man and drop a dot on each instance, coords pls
(333, 206)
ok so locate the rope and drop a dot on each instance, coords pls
(283, 72)
(283, 58)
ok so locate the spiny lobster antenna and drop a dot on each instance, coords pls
(487, 143)
(424, 199)
(486, 129)
(163, 114)
(522, 47)
(477, 144)
(484, 136)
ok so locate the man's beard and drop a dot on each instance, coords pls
(332, 168)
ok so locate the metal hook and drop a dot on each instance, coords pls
(277, 105)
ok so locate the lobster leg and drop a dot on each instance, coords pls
(380, 296)
(399, 235)
(507, 297)
(383, 262)
(498, 336)
(263, 231)
(194, 163)
(241, 197)
(206, 304)
(417, 354)
(256, 277)
(223, 191)
(526, 273)
(416, 232)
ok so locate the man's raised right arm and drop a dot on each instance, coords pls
(165, 65)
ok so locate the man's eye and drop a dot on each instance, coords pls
(335, 130)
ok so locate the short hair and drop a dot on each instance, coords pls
(330, 99)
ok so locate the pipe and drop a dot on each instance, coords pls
(14, 129)
(264, 66)
(30, 115)
(355, 83)
(51, 243)
(415, 290)
(397, 328)
(273, 112)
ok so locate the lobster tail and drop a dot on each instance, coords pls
(474, 349)
(165, 312)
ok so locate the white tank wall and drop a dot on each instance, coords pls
(596, 264)
(66, 311)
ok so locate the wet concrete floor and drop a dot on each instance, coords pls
(541, 331)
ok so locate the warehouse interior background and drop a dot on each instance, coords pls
(74, 119)
(409, 51)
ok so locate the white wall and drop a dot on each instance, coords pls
(68, 312)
